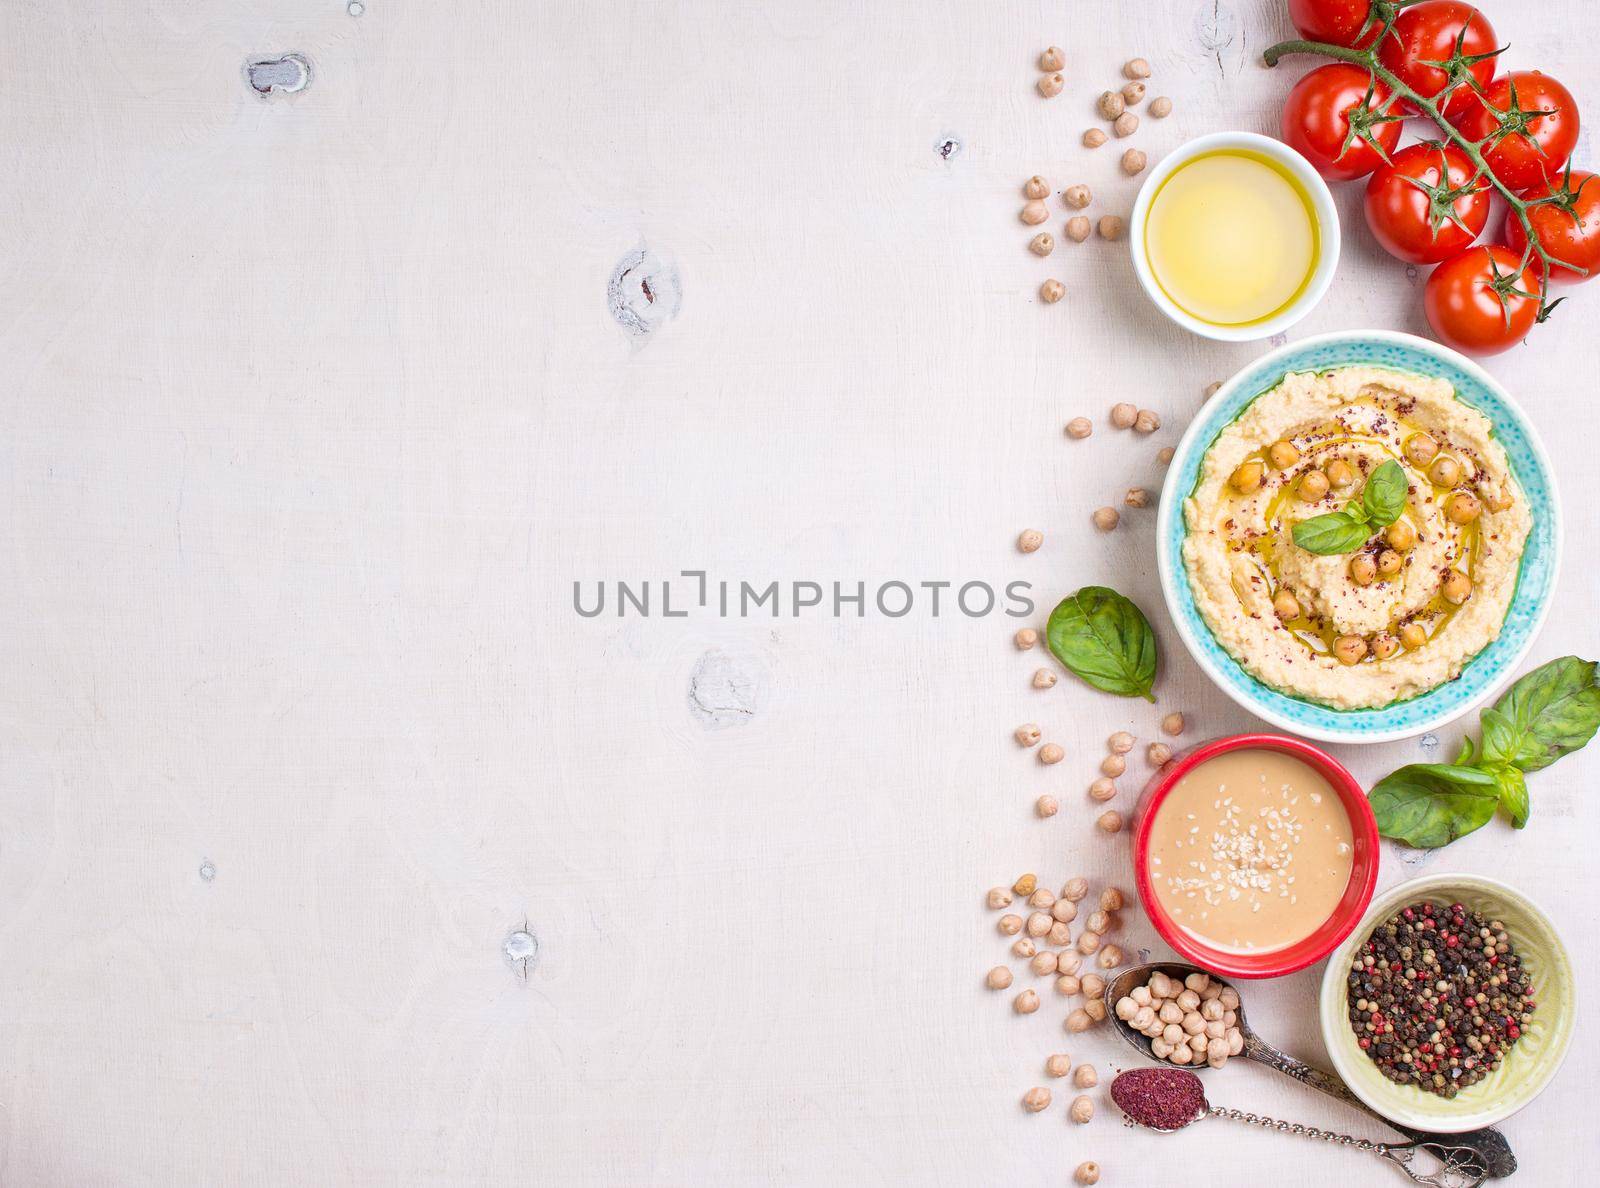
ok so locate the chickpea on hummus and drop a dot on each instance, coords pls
(1410, 605)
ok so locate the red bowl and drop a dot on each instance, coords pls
(1346, 914)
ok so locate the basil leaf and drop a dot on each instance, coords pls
(1428, 805)
(1331, 534)
(1502, 741)
(1469, 753)
(1105, 641)
(1552, 711)
(1385, 495)
(1513, 794)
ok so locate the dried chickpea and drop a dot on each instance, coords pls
(1024, 947)
(1025, 639)
(1026, 1003)
(1068, 961)
(1093, 138)
(1034, 212)
(1077, 228)
(998, 898)
(1110, 227)
(1133, 162)
(1080, 427)
(1053, 58)
(1109, 822)
(1105, 518)
(1087, 1172)
(1051, 753)
(1047, 806)
(1067, 985)
(1099, 921)
(1077, 196)
(1085, 1077)
(1043, 964)
(1109, 105)
(1075, 889)
(1158, 754)
(997, 978)
(1123, 415)
(1136, 68)
(1093, 985)
(1148, 421)
(1044, 679)
(1164, 455)
(1095, 1008)
(1009, 925)
(1050, 85)
(1035, 1100)
(1042, 244)
(1036, 187)
(1064, 911)
(1029, 540)
(1126, 1009)
(1137, 497)
(1133, 94)
(1125, 124)
(1103, 789)
(1088, 942)
(1109, 957)
(1113, 766)
(1210, 390)
(1052, 291)
(1081, 1110)
(1039, 924)
(1059, 933)
(1042, 898)
(1172, 724)
(1026, 885)
(1058, 1064)
(1160, 107)
(1112, 899)
(1078, 1021)
(1027, 734)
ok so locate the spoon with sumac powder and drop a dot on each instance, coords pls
(1168, 1099)
(1481, 1153)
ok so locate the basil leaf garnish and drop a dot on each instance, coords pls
(1104, 640)
(1431, 804)
(1384, 497)
(1552, 711)
(1331, 534)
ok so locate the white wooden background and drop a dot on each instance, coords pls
(314, 408)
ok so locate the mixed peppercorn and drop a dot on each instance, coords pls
(1437, 997)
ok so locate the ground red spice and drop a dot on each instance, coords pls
(1161, 1098)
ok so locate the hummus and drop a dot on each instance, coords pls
(1350, 638)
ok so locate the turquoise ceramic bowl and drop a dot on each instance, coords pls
(1540, 563)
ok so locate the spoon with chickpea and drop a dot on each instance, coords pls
(1482, 1152)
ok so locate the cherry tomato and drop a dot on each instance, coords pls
(1528, 149)
(1437, 31)
(1428, 203)
(1568, 227)
(1326, 114)
(1338, 21)
(1482, 301)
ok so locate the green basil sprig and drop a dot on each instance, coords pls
(1551, 712)
(1104, 640)
(1346, 530)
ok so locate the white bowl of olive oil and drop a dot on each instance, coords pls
(1235, 236)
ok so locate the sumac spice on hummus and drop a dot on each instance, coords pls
(1437, 997)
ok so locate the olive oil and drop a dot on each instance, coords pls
(1232, 238)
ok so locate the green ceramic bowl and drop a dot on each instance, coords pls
(1530, 1064)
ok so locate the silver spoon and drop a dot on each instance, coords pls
(1453, 1173)
(1482, 1152)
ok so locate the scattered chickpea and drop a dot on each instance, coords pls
(1137, 497)
(1147, 421)
(1057, 1065)
(1044, 964)
(1102, 790)
(1047, 806)
(1060, 933)
(1105, 518)
(1034, 212)
(1039, 924)
(1052, 291)
(1283, 454)
(1077, 196)
(1445, 472)
(1029, 540)
(1064, 911)
(1413, 636)
(1110, 227)
(1124, 415)
(997, 978)
(1025, 639)
(1363, 569)
(1077, 228)
(1009, 924)
(1069, 961)
(1113, 766)
(1349, 649)
(1093, 985)
(1110, 822)
(1109, 105)
(1099, 921)
(1133, 94)
(1078, 1021)
(1093, 138)
(1027, 734)
(1087, 1172)
(1210, 390)
(1457, 588)
(1081, 1110)
(1095, 1008)
(998, 898)
(1067, 985)
(1026, 885)
(1042, 244)
(1159, 754)
(1389, 563)
(1160, 107)
(1112, 899)
(1050, 85)
(1088, 942)
(1125, 124)
(1464, 508)
(1246, 478)
(1136, 68)
(1401, 535)
(1420, 448)
(1164, 455)
(1109, 958)
(1313, 486)
(1044, 679)
(1051, 753)
(1120, 743)
(1053, 59)
(1026, 1003)
(1075, 889)
(1085, 1077)
(1080, 427)
(1024, 947)
(1286, 605)
(1172, 724)
(1036, 1100)
(1036, 187)
(1340, 473)
(1133, 162)
(1384, 645)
